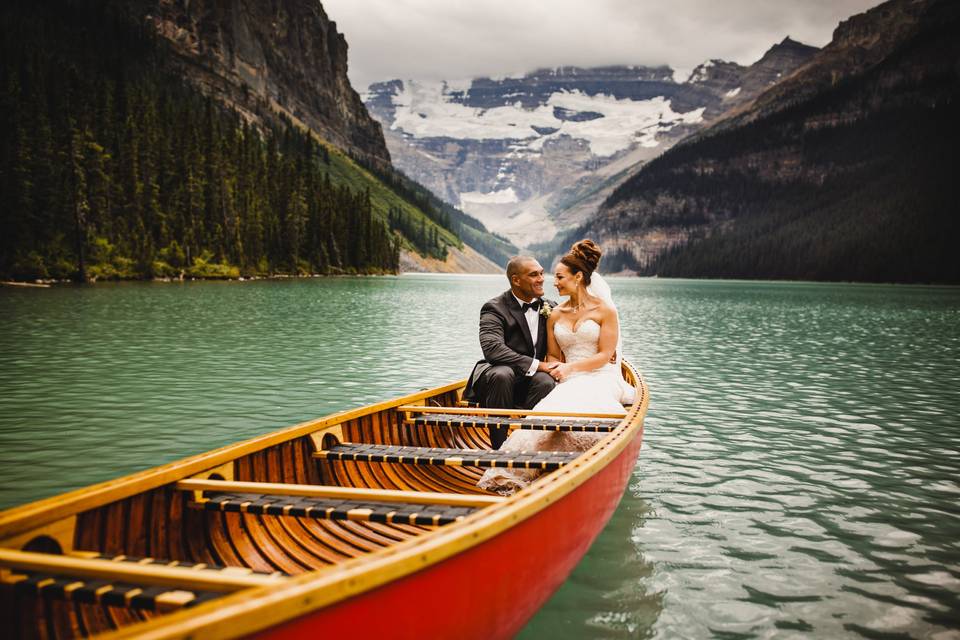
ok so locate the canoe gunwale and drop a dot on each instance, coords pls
(260, 608)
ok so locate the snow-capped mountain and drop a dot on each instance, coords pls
(535, 154)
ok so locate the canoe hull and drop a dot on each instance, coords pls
(490, 590)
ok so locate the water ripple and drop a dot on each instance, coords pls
(800, 470)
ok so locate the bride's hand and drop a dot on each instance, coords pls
(560, 372)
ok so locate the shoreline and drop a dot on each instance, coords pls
(49, 283)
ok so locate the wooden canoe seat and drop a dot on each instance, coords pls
(546, 460)
(589, 425)
(104, 592)
(513, 413)
(124, 581)
(334, 509)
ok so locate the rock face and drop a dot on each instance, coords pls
(272, 57)
(858, 43)
(533, 155)
(811, 179)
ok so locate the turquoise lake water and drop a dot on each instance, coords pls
(800, 472)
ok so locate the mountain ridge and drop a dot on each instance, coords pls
(284, 57)
(859, 140)
(528, 154)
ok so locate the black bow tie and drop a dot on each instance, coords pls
(535, 305)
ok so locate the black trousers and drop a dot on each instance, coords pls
(502, 388)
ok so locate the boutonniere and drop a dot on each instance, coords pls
(545, 309)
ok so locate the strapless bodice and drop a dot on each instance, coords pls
(580, 344)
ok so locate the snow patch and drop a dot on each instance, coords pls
(681, 74)
(425, 110)
(504, 196)
(459, 86)
(732, 93)
(515, 75)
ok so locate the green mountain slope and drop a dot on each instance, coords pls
(117, 168)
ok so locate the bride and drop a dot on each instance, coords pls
(583, 340)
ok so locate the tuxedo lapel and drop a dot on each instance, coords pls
(542, 331)
(521, 320)
(541, 351)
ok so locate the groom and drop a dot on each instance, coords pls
(513, 337)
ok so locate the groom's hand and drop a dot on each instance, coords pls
(547, 366)
(560, 372)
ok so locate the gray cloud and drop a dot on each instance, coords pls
(455, 39)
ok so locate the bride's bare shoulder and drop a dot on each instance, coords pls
(604, 312)
(601, 306)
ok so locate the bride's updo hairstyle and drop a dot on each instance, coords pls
(583, 257)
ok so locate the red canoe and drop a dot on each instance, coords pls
(362, 522)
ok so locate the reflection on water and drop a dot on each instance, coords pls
(799, 473)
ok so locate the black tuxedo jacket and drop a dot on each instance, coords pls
(505, 339)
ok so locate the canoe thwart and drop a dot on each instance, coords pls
(589, 425)
(106, 593)
(334, 509)
(194, 566)
(344, 493)
(545, 460)
(113, 570)
(483, 411)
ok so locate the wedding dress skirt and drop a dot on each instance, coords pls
(597, 391)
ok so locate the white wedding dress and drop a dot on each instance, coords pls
(599, 391)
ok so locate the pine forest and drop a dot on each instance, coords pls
(113, 167)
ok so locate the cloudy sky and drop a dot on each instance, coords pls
(457, 39)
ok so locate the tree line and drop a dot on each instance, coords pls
(113, 167)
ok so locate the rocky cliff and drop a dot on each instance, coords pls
(840, 171)
(859, 43)
(536, 154)
(272, 57)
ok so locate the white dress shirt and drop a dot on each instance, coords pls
(533, 322)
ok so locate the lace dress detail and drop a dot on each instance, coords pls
(596, 391)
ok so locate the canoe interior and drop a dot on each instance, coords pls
(163, 523)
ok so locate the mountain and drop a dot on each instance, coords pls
(535, 154)
(845, 170)
(195, 139)
(265, 58)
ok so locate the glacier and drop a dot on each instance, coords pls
(430, 110)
